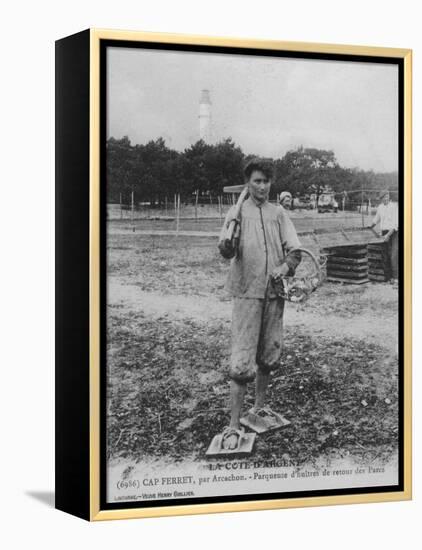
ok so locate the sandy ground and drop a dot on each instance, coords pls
(382, 331)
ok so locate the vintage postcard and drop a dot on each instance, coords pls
(254, 252)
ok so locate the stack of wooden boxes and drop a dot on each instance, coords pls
(378, 263)
(347, 263)
(354, 255)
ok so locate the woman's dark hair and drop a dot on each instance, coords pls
(261, 165)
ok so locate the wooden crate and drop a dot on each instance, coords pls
(378, 262)
(347, 263)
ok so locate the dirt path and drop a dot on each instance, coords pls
(164, 232)
(204, 309)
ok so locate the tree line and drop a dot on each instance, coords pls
(154, 172)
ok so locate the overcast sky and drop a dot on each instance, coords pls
(266, 105)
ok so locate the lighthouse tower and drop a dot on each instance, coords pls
(205, 116)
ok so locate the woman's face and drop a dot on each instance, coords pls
(259, 186)
(287, 202)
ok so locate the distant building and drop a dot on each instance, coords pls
(205, 116)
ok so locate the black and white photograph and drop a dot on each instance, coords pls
(253, 253)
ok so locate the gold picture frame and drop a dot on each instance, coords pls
(79, 471)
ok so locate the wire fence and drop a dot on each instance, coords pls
(209, 218)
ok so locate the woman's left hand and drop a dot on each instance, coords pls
(280, 272)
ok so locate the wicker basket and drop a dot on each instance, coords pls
(299, 287)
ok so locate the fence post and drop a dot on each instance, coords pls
(133, 210)
(178, 214)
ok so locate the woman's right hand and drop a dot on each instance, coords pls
(226, 248)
